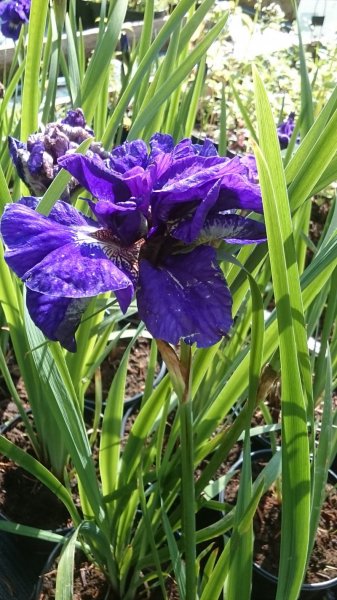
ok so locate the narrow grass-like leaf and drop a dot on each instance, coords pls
(144, 45)
(307, 110)
(111, 428)
(172, 23)
(176, 561)
(215, 583)
(5, 372)
(31, 532)
(176, 78)
(148, 527)
(31, 87)
(5, 197)
(309, 172)
(310, 139)
(295, 449)
(100, 61)
(321, 371)
(65, 570)
(53, 69)
(197, 90)
(11, 88)
(66, 415)
(193, 22)
(74, 71)
(141, 428)
(321, 458)
(223, 124)
(244, 112)
(241, 543)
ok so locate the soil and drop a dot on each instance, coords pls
(267, 531)
(272, 401)
(136, 371)
(91, 584)
(45, 510)
(41, 508)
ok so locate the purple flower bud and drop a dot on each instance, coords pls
(13, 14)
(285, 130)
(36, 161)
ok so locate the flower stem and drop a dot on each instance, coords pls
(188, 497)
(187, 464)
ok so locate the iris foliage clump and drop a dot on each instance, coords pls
(117, 224)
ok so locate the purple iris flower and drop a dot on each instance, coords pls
(13, 14)
(285, 130)
(36, 161)
(159, 216)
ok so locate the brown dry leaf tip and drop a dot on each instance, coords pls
(268, 378)
(172, 362)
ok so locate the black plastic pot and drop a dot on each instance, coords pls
(132, 401)
(264, 587)
(133, 16)
(264, 583)
(88, 12)
(21, 561)
(22, 558)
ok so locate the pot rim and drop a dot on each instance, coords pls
(323, 585)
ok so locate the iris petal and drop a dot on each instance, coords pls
(189, 229)
(186, 296)
(30, 237)
(232, 228)
(237, 192)
(93, 174)
(190, 179)
(62, 212)
(76, 271)
(58, 318)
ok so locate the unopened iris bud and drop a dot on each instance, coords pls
(36, 160)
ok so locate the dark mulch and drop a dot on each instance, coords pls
(91, 584)
(23, 498)
(267, 531)
(136, 371)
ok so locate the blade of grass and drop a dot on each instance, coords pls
(178, 75)
(100, 61)
(194, 101)
(65, 569)
(171, 24)
(321, 459)
(295, 449)
(31, 88)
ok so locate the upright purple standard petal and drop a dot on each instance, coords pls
(285, 130)
(129, 155)
(186, 296)
(93, 174)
